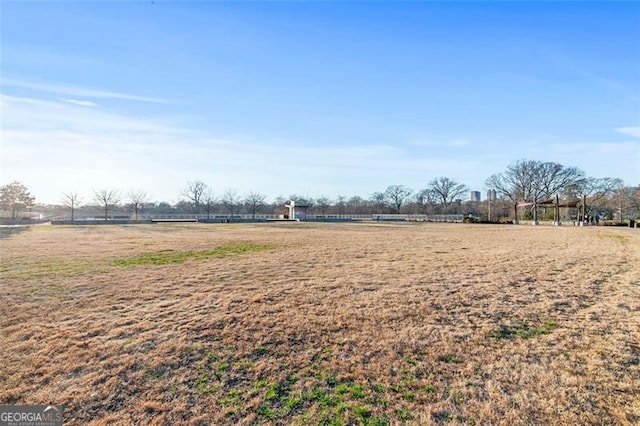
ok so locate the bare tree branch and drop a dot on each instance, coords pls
(254, 201)
(71, 200)
(137, 199)
(107, 198)
(194, 193)
(447, 190)
(230, 200)
(396, 194)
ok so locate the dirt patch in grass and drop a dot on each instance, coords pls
(330, 323)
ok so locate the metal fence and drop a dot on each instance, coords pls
(267, 217)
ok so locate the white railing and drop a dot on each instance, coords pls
(263, 217)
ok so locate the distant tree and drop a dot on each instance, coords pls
(184, 206)
(446, 190)
(516, 183)
(593, 190)
(533, 181)
(254, 201)
(340, 205)
(357, 205)
(137, 200)
(623, 201)
(194, 193)
(162, 208)
(395, 196)
(425, 199)
(208, 201)
(230, 200)
(71, 200)
(551, 178)
(378, 202)
(16, 198)
(107, 199)
(634, 202)
(322, 204)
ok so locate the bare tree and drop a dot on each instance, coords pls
(71, 200)
(208, 201)
(447, 190)
(396, 194)
(425, 199)
(230, 199)
(623, 199)
(323, 203)
(533, 181)
(341, 204)
(634, 201)
(254, 201)
(515, 183)
(593, 190)
(107, 198)
(554, 177)
(137, 200)
(378, 202)
(194, 193)
(357, 205)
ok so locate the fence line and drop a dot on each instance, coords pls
(266, 217)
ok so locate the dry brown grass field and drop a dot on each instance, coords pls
(322, 323)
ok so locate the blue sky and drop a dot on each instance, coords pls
(313, 98)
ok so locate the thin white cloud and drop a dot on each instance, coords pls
(596, 147)
(84, 148)
(80, 102)
(72, 148)
(629, 131)
(68, 90)
(450, 143)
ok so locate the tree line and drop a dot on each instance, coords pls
(524, 182)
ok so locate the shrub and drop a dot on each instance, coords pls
(613, 223)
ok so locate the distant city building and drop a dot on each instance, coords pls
(475, 196)
(491, 195)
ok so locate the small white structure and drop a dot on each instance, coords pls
(292, 209)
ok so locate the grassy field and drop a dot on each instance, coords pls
(322, 323)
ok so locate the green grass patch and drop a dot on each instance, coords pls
(261, 350)
(275, 391)
(233, 397)
(29, 269)
(259, 384)
(450, 359)
(429, 389)
(173, 257)
(409, 396)
(412, 361)
(362, 412)
(403, 414)
(155, 373)
(323, 397)
(524, 330)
